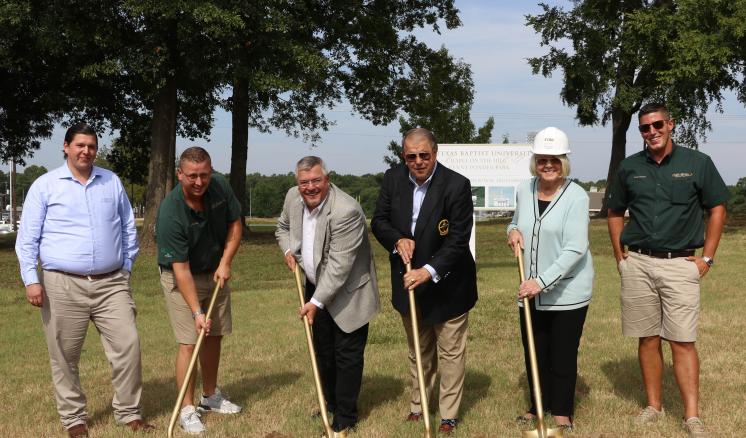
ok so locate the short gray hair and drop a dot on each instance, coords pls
(309, 162)
(417, 133)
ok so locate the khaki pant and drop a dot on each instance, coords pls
(182, 322)
(443, 346)
(69, 304)
(660, 297)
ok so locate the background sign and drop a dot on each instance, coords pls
(494, 170)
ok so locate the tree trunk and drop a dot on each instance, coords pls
(162, 158)
(13, 197)
(240, 144)
(620, 120)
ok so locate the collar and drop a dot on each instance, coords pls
(665, 159)
(427, 182)
(64, 172)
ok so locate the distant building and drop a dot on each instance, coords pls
(596, 200)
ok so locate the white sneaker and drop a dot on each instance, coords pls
(649, 415)
(695, 427)
(218, 403)
(190, 422)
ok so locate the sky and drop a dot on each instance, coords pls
(494, 40)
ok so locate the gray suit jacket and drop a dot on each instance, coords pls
(346, 281)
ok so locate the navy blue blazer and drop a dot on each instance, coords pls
(441, 240)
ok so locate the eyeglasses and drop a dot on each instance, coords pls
(658, 124)
(424, 156)
(310, 182)
(192, 177)
(545, 161)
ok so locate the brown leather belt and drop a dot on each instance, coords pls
(87, 277)
(662, 254)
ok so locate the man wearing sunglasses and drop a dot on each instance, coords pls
(667, 190)
(198, 232)
(424, 216)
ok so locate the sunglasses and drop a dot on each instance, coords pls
(545, 161)
(658, 124)
(424, 156)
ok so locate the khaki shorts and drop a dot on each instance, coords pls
(180, 314)
(660, 297)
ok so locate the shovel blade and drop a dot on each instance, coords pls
(536, 433)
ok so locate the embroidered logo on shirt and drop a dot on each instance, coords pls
(639, 176)
(443, 227)
(682, 174)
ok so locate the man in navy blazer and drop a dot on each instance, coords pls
(424, 216)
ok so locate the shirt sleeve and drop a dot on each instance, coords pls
(617, 200)
(173, 244)
(29, 233)
(130, 246)
(714, 190)
(234, 207)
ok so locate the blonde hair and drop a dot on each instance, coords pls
(565, 162)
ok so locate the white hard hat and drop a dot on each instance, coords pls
(551, 141)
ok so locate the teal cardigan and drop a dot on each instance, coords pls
(556, 245)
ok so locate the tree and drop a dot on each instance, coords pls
(439, 96)
(737, 203)
(31, 94)
(627, 53)
(291, 61)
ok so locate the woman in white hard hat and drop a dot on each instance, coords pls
(551, 225)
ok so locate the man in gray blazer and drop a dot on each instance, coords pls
(323, 229)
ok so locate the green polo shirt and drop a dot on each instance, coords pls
(198, 237)
(666, 202)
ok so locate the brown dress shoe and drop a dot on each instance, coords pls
(78, 431)
(414, 416)
(140, 426)
(447, 426)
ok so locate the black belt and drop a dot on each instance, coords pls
(662, 254)
(87, 277)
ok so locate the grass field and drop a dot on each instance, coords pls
(265, 361)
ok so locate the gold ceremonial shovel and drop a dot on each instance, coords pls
(418, 356)
(314, 365)
(541, 430)
(192, 362)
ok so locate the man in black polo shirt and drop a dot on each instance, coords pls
(198, 232)
(666, 189)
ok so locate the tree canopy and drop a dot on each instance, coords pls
(617, 55)
(439, 97)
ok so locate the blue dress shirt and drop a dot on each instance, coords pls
(83, 229)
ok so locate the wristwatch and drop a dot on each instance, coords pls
(197, 313)
(708, 260)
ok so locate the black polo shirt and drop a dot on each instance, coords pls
(198, 237)
(666, 202)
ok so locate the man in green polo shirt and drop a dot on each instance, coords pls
(667, 190)
(198, 232)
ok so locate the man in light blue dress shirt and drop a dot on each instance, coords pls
(78, 222)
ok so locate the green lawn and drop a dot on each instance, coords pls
(265, 362)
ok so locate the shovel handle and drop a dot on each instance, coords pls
(192, 363)
(312, 353)
(540, 425)
(418, 357)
